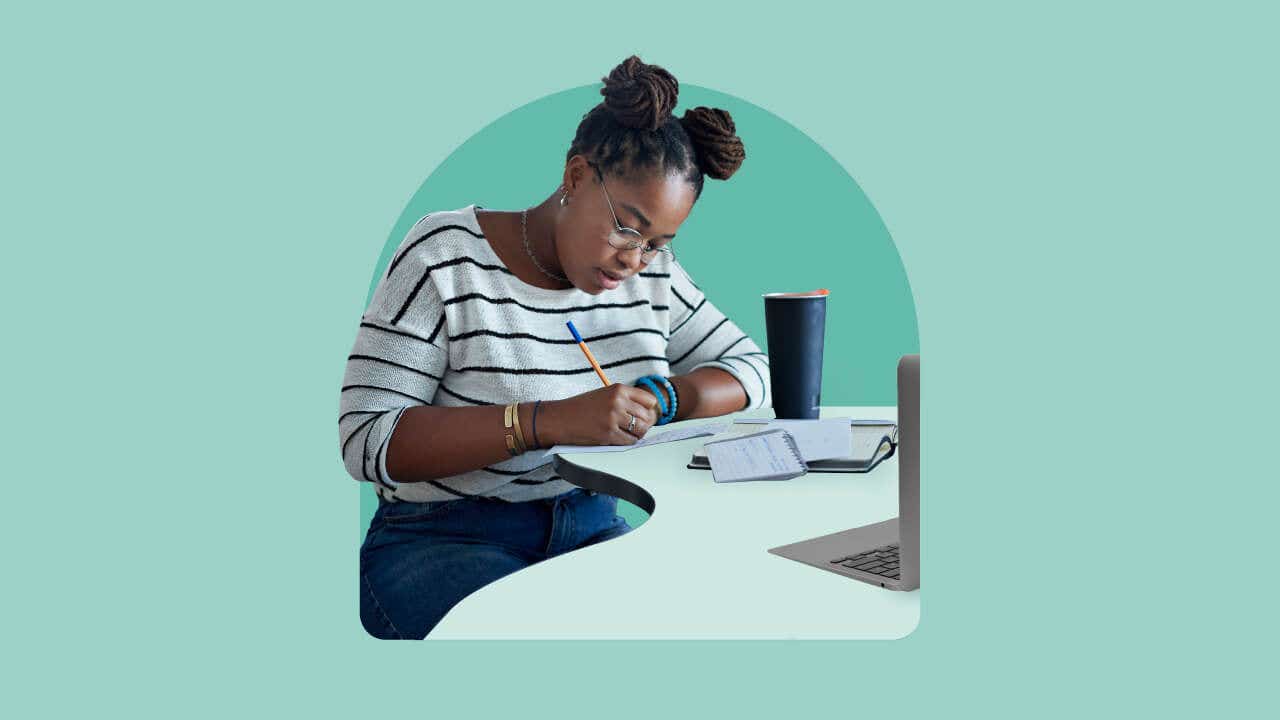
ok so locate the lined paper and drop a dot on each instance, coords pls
(760, 456)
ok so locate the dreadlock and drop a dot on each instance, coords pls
(632, 131)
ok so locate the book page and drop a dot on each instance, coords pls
(648, 440)
(818, 439)
(867, 440)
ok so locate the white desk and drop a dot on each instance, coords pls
(699, 567)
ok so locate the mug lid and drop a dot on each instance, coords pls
(819, 293)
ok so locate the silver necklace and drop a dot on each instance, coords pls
(524, 234)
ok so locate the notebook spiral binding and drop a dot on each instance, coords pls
(795, 449)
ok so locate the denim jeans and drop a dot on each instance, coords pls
(418, 560)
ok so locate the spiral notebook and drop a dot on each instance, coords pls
(768, 455)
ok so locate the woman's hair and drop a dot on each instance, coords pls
(633, 130)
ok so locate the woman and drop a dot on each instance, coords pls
(463, 364)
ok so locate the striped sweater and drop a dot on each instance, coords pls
(450, 325)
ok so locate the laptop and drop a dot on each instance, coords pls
(886, 554)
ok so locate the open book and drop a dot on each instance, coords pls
(871, 445)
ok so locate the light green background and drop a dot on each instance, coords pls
(1083, 199)
(791, 219)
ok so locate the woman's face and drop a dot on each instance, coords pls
(654, 205)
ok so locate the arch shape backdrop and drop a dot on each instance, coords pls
(790, 219)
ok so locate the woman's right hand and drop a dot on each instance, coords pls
(600, 417)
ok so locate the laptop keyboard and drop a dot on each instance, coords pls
(881, 561)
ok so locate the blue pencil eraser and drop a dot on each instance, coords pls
(574, 330)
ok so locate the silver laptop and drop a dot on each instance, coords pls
(885, 553)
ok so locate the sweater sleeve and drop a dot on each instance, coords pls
(398, 359)
(701, 336)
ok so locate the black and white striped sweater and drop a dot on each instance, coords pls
(450, 325)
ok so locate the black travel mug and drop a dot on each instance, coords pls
(796, 327)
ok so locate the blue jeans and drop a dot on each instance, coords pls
(419, 559)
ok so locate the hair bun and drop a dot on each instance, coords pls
(640, 95)
(715, 140)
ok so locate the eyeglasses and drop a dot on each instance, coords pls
(625, 238)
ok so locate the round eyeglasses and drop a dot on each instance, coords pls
(625, 238)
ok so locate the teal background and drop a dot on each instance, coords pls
(1083, 199)
(791, 219)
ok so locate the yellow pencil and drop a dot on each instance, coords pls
(587, 351)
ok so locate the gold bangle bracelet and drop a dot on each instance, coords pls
(512, 446)
(515, 415)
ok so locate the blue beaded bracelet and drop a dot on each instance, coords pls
(675, 401)
(647, 383)
(668, 413)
